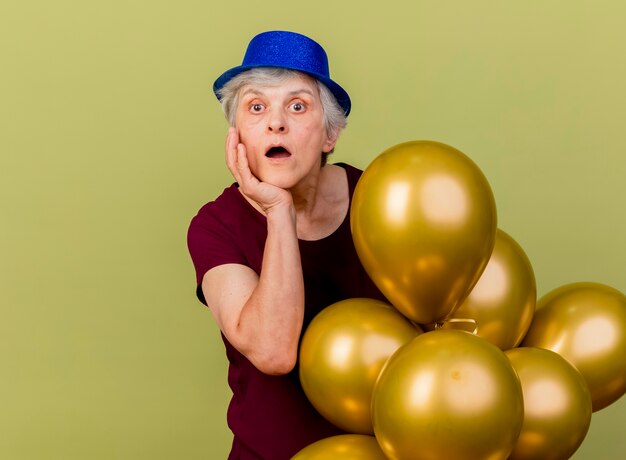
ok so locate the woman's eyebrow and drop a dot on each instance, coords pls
(295, 92)
(300, 91)
(254, 91)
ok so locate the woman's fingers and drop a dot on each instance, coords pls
(247, 181)
(237, 162)
(232, 142)
(242, 160)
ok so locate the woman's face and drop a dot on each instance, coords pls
(282, 127)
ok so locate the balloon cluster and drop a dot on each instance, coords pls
(464, 363)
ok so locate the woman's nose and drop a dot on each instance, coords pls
(276, 123)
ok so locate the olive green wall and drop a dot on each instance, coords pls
(111, 140)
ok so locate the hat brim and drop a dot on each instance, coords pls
(340, 94)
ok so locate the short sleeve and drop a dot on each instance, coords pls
(211, 242)
(228, 230)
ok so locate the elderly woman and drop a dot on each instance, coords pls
(275, 247)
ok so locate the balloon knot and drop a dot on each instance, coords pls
(463, 324)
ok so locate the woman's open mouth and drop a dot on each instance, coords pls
(277, 152)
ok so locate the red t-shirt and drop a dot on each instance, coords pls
(270, 416)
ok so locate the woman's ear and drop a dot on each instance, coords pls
(331, 141)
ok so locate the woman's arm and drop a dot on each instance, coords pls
(262, 315)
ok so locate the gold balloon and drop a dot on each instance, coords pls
(586, 324)
(503, 301)
(423, 220)
(557, 405)
(449, 395)
(342, 447)
(342, 352)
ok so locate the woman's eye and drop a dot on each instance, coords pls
(256, 108)
(297, 107)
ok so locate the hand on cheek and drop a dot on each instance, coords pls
(267, 196)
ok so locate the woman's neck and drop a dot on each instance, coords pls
(322, 208)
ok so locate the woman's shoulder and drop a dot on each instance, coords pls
(352, 173)
(228, 209)
(222, 202)
(350, 169)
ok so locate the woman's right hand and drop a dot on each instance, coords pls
(266, 196)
